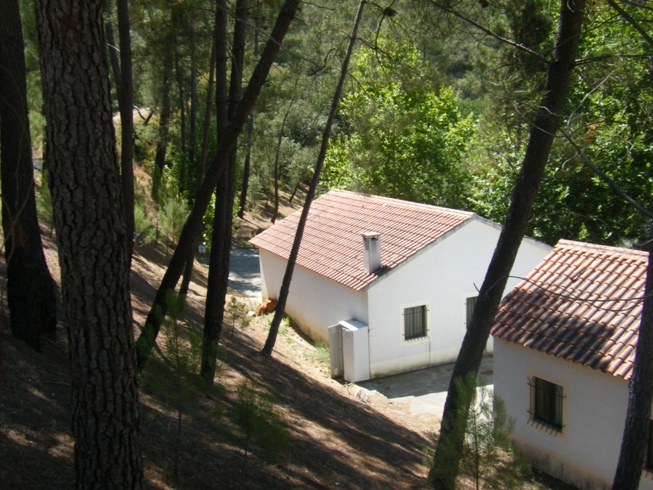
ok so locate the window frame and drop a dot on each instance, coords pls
(423, 328)
(470, 304)
(546, 408)
(648, 457)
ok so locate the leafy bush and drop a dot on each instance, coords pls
(257, 416)
(488, 458)
(143, 229)
(171, 217)
(320, 353)
(44, 200)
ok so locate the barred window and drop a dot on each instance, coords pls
(415, 322)
(648, 463)
(470, 304)
(546, 403)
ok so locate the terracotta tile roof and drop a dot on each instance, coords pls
(332, 245)
(582, 303)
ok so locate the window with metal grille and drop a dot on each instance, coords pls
(546, 403)
(471, 304)
(648, 462)
(414, 322)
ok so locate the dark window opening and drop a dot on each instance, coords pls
(546, 403)
(414, 322)
(471, 304)
(648, 462)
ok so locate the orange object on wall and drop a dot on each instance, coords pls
(267, 306)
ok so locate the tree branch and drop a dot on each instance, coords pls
(616, 187)
(628, 18)
(487, 31)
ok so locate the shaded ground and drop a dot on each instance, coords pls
(341, 436)
(336, 439)
(245, 273)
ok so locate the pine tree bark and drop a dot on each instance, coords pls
(545, 124)
(165, 112)
(640, 397)
(242, 203)
(218, 279)
(214, 308)
(126, 105)
(31, 293)
(219, 165)
(292, 259)
(88, 215)
(640, 389)
(201, 168)
(277, 155)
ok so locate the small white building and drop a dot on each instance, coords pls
(564, 343)
(388, 284)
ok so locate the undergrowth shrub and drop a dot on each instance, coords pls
(488, 458)
(320, 354)
(44, 200)
(173, 374)
(257, 416)
(171, 217)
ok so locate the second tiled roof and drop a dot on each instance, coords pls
(582, 303)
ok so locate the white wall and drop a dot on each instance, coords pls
(442, 277)
(314, 303)
(594, 411)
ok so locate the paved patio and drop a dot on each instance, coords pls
(425, 390)
(245, 273)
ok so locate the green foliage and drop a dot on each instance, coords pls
(171, 217)
(320, 354)
(403, 139)
(488, 458)
(261, 423)
(143, 229)
(44, 200)
(237, 313)
(611, 110)
(182, 342)
(208, 218)
(174, 374)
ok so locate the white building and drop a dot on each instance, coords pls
(564, 343)
(388, 284)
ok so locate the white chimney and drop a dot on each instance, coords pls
(371, 251)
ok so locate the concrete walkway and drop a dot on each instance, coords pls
(245, 272)
(425, 391)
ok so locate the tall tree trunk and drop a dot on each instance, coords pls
(547, 119)
(201, 166)
(277, 154)
(193, 223)
(31, 293)
(88, 216)
(218, 280)
(640, 395)
(164, 120)
(126, 104)
(192, 111)
(292, 259)
(246, 168)
(640, 388)
(182, 117)
(113, 50)
(248, 157)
